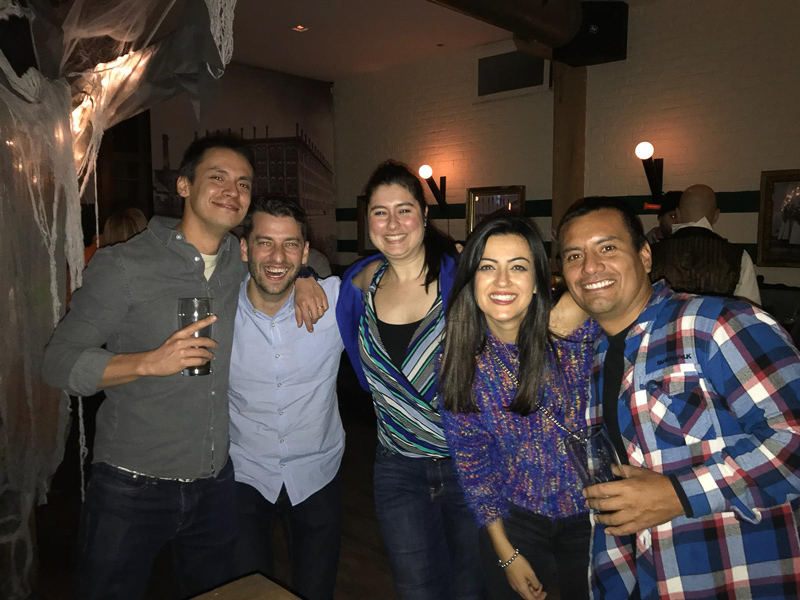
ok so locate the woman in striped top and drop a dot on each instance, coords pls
(515, 379)
(391, 316)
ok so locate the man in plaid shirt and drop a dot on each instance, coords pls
(703, 407)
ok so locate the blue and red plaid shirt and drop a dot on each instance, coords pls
(711, 395)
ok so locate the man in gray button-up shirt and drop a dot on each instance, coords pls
(161, 469)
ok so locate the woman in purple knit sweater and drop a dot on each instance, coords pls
(514, 379)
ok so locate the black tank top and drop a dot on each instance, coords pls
(396, 339)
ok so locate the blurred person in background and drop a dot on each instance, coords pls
(121, 226)
(667, 217)
(698, 260)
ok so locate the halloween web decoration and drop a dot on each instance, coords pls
(69, 70)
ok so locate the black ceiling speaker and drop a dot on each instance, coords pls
(602, 38)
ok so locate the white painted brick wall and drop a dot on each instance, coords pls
(713, 84)
(429, 112)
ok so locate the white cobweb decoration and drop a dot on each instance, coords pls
(221, 13)
(39, 196)
(50, 133)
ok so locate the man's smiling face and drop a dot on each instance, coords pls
(274, 251)
(219, 195)
(606, 275)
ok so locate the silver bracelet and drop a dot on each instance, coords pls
(503, 565)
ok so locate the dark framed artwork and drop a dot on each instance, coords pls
(483, 201)
(365, 245)
(779, 219)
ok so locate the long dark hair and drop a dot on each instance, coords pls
(436, 243)
(465, 333)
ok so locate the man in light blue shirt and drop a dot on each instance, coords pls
(287, 439)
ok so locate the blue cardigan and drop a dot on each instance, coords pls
(350, 305)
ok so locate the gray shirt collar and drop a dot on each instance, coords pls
(164, 229)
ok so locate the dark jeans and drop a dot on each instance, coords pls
(430, 535)
(313, 531)
(128, 518)
(557, 550)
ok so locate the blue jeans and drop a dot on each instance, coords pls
(128, 518)
(557, 550)
(430, 535)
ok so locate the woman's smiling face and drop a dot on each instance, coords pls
(396, 221)
(504, 284)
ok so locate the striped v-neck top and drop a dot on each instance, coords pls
(405, 395)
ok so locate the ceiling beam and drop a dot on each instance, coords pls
(550, 22)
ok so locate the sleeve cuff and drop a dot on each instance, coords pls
(687, 507)
(486, 514)
(87, 372)
(307, 271)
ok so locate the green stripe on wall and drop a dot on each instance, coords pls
(539, 208)
(729, 202)
(352, 247)
(346, 214)
(752, 250)
(451, 211)
(533, 208)
(347, 245)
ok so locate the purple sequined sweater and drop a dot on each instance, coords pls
(503, 458)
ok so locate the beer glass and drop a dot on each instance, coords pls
(591, 451)
(191, 310)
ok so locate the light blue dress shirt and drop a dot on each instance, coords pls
(285, 424)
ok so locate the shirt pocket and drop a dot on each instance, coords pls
(680, 406)
(226, 295)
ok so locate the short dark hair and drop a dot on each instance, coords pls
(465, 330)
(276, 206)
(436, 243)
(592, 204)
(196, 151)
(669, 201)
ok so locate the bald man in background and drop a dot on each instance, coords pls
(698, 260)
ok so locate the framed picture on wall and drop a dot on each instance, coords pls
(779, 219)
(365, 245)
(483, 201)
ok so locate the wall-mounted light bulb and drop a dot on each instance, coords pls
(644, 150)
(425, 171)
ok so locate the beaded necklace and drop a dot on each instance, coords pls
(547, 412)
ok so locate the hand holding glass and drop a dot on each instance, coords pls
(592, 453)
(191, 310)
